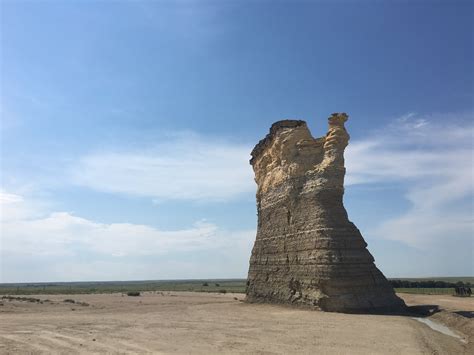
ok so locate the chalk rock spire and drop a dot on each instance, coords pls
(307, 252)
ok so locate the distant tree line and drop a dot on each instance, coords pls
(427, 284)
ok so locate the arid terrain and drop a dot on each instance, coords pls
(187, 322)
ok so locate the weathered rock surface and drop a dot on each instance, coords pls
(307, 252)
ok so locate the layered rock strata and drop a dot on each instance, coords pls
(307, 252)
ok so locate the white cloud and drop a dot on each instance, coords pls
(411, 149)
(7, 199)
(433, 158)
(15, 207)
(64, 239)
(186, 167)
(430, 157)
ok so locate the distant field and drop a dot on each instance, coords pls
(427, 291)
(227, 285)
(464, 279)
(436, 290)
(50, 288)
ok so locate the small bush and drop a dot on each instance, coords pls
(26, 299)
(217, 285)
(133, 293)
(205, 284)
(69, 301)
(223, 291)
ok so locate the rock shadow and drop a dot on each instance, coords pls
(424, 310)
(408, 311)
(466, 314)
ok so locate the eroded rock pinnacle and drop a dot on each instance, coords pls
(307, 252)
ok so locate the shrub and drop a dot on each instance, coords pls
(223, 291)
(425, 284)
(205, 284)
(133, 293)
(217, 285)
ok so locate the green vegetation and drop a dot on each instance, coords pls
(230, 285)
(464, 279)
(426, 283)
(233, 286)
(427, 291)
(133, 293)
(431, 287)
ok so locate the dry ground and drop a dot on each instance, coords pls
(180, 322)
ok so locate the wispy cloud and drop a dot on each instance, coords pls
(185, 167)
(412, 148)
(69, 239)
(432, 158)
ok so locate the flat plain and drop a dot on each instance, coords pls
(215, 323)
(205, 285)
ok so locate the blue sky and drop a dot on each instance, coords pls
(126, 128)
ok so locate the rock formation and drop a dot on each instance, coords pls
(307, 252)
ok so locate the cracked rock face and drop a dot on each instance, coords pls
(307, 252)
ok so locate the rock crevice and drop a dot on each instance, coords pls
(307, 252)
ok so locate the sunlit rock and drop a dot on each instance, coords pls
(307, 252)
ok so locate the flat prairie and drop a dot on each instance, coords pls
(211, 323)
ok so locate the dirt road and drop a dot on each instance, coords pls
(209, 324)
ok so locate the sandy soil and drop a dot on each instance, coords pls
(215, 324)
